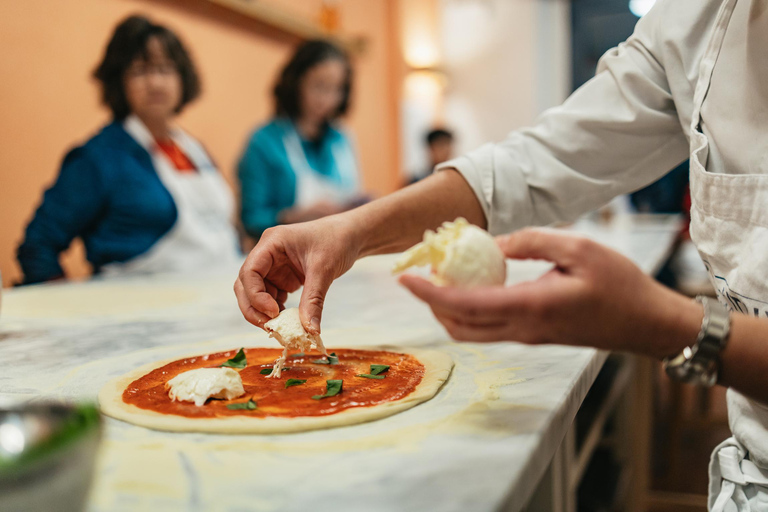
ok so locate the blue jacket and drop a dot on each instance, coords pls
(267, 179)
(107, 193)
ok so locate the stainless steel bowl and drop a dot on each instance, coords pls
(47, 456)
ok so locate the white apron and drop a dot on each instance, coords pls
(203, 237)
(312, 187)
(729, 225)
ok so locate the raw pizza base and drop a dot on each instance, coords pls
(437, 369)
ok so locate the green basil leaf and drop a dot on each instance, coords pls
(238, 361)
(332, 359)
(369, 376)
(298, 354)
(294, 382)
(250, 405)
(376, 369)
(268, 371)
(332, 388)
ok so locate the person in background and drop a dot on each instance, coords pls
(301, 166)
(144, 195)
(439, 149)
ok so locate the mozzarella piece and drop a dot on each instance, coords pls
(203, 383)
(460, 254)
(287, 329)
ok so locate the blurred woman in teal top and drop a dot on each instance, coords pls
(301, 166)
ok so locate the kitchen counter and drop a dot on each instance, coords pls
(483, 443)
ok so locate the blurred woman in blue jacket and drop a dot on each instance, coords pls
(301, 166)
(144, 196)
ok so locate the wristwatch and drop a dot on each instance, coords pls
(700, 363)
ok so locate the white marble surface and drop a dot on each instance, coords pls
(481, 444)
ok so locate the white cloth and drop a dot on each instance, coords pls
(729, 225)
(736, 483)
(312, 187)
(203, 238)
(691, 81)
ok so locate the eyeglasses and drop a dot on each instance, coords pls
(143, 70)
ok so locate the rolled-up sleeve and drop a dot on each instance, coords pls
(615, 134)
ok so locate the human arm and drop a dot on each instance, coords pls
(316, 253)
(593, 297)
(618, 132)
(263, 187)
(69, 209)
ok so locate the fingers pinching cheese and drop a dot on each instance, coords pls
(287, 329)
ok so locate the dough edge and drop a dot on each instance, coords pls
(438, 366)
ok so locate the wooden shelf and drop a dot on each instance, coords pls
(291, 24)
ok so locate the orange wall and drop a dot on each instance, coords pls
(48, 102)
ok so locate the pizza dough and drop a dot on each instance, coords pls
(203, 383)
(437, 369)
(460, 255)
(287, 329)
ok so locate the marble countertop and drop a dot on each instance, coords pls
(481, 444)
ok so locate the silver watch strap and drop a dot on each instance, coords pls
(700, 363)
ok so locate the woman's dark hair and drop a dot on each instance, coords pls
(130, 41)
(307, 56)
(437, 134)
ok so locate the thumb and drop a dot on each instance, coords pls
(563, 249)
(316, 285)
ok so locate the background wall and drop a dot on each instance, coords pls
(481, 68)
(50, 103)
(506, 62)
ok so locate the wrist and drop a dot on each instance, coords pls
(678, 326)
(365, 227)
(350, 233)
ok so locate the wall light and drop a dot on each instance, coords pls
(640, 7)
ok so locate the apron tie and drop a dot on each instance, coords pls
(736, 472)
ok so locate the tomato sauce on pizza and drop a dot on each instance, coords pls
(271, 396)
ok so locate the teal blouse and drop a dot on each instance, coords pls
(267, 179)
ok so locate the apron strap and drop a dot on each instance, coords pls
(707, 64)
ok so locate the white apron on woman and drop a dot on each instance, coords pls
(203, 238)
(729, 225)
(311, 186)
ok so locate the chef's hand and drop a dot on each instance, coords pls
(312, 254)
(594, 297)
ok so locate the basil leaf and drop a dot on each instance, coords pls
(369, 376)
(268, 371)
(332, 388)
(298, 354)
(332, 359)
(294, 382)
(238, 361)
(250, 405)
(376, 369)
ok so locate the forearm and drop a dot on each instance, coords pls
(292, 216)
(745, 358)
(397, 221)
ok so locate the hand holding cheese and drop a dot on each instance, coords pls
(203, 383)
(286, 328)
(460, 254)
(593, 297)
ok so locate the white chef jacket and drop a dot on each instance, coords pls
(692, 81)
(622, 130)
